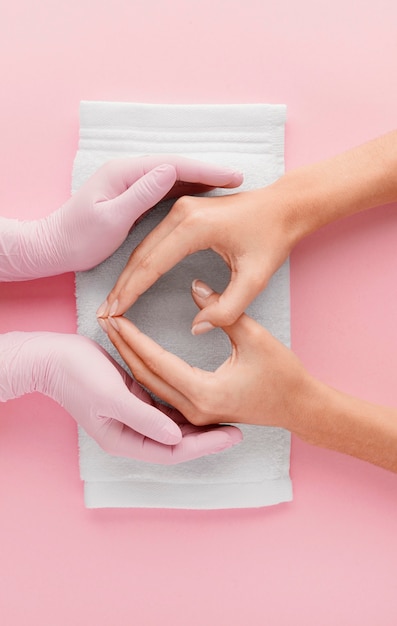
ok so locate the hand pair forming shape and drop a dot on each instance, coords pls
(73, 370)
(262, 382)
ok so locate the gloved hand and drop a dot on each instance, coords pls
(96, 220)
(102, 398)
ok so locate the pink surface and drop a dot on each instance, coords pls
(330, 557)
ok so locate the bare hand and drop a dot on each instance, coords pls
(250, 230)
(262, 382)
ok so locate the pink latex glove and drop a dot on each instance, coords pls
(102, 398)
(96, 220)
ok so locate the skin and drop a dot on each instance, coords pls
(262, 382)
(255, 231)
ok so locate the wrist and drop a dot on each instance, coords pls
(10, 250)
(28, 249)
(304, 200)
(23, 361)
(341, 422)
(41, 247)
(361, 178)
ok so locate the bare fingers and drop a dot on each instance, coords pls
(180, 233)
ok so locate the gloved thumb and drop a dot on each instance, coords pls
(146, 419)
(142, 195)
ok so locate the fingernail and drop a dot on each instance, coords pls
(201, 289)
(113, 322)
(102, 324)
(114, 308)
(202, 327)
(101, 311)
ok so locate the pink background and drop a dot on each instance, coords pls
(328, 557)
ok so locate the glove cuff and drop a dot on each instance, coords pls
(28, 249)
(22, 362)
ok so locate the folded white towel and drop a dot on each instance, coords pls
(249, 138)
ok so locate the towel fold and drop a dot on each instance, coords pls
(249, 138)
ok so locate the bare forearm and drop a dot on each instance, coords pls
(346, 424)
(358, 179)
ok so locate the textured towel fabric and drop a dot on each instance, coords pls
(249, 138)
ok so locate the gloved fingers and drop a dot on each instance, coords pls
(188, 170)
(143, 417)
(117, 397)
(142, 195)
(187, 428)
(118, 175)
(200, 443)
(119, 440)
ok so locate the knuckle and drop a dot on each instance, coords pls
(123, 293)
(186, 207)
(144, 190)
(138, 372)
(146, 261)
(148, 266)
(152, 364)
(195, 217)
(228, 316)
(182, 206)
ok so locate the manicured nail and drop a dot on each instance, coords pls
(201, 289)
(102, 309)
(114, 308)
(113, 322)
(102, 324)
(202, 327)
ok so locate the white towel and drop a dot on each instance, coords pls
(249, 138)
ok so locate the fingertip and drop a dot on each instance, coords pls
(172, 434)
(237, 179)
(203, 296)
(162, 429)
(114, 308)
(201, 289)
(228, 440)
(235, 434)
(102, 309)
(200, 328)
(165, 175)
